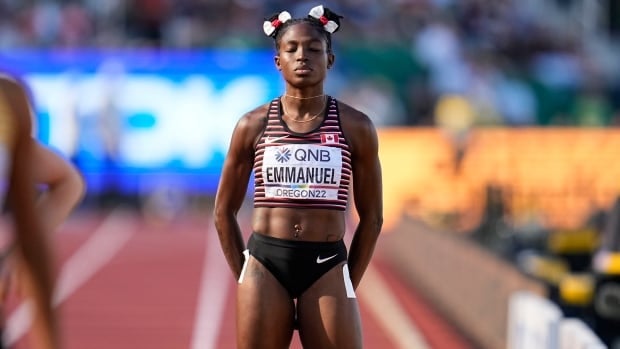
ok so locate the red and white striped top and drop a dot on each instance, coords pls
(302, 170)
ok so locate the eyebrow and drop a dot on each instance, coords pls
(294, 41)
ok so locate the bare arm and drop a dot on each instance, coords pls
(30, 239)
(64, 186)
(232, 189)
(367, 193)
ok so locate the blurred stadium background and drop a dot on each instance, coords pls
(498, 124)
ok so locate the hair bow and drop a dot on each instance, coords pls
(271, 24)
(330, 20)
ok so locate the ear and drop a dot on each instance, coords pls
(276, 60)
(330, 60)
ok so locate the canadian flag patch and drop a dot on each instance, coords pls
(329, 138)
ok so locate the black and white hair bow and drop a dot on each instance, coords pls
(330, 20)
(271, 24)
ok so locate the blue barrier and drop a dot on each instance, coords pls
(133, 119)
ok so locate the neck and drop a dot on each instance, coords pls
(312, 109)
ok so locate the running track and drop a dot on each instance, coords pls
(125, 282)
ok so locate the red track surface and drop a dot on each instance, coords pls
(145, 292)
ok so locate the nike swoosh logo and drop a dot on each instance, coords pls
(274, 139)
(320, 260)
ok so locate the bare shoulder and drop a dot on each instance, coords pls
(357, 126)
(10, 87)
(16, 99)
(351, 115)
(8, 81)
(255, 117)
(251, 125)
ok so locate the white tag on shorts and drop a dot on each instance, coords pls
(348, 285)
(246, 254)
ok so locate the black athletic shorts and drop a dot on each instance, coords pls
(296, 264)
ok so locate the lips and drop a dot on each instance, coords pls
(303, 70)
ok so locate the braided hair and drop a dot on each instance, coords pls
(325, 21)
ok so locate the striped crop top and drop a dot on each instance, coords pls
(302, 170)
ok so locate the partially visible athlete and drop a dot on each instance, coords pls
(307, 151)
(17, 175)
(62, 190)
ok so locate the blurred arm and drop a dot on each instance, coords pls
(65, 186)
(30, 240)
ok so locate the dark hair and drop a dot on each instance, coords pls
(325, 21)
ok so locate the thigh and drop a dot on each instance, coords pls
(328, 317)
(265, 312)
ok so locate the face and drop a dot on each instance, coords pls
(302, 56)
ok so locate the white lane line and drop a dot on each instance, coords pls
(214, 285)
(384, 306)
(97, 251)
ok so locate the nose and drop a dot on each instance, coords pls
(301, 54)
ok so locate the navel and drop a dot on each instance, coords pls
(297, 230)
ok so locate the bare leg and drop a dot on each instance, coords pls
(265, 311)
(328, 318)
